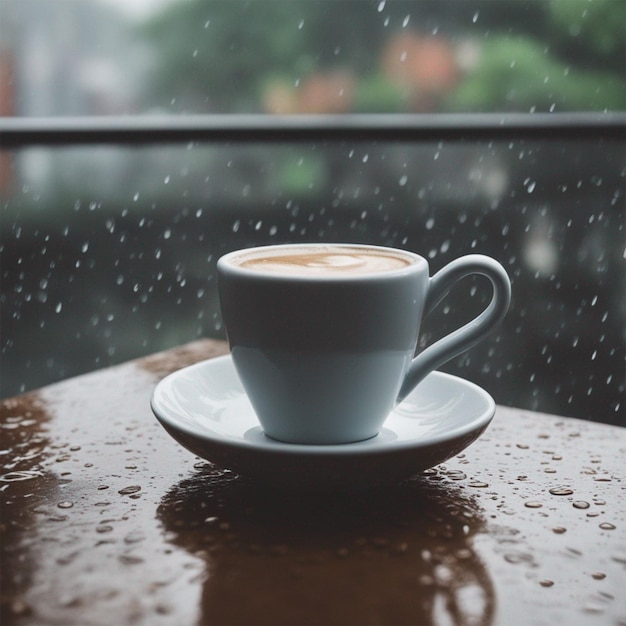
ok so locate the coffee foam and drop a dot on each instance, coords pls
(323, 261)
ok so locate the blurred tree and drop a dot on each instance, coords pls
(592, 31)
(521, 74)
(579, 63)
(216, 56)
(231, 56)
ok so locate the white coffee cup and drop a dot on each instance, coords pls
(323, 336)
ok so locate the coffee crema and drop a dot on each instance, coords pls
(323, 261)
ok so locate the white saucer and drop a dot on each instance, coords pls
(206, 410)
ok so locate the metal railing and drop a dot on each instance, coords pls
(16, 132)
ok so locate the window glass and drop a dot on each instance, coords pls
(109, 253)
(74, 57)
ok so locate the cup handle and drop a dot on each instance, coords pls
(471, 333)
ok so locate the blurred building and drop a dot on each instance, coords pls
(70, 58)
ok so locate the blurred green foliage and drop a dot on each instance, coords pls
(513, 55)
(578, 65)
(598, 26)
(520, 74)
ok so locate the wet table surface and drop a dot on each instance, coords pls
(107, 520)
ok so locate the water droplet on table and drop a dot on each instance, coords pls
(104, 528)
(519, 557)
(11, 477)
(561, 491)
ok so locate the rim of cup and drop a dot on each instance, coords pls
(226, 261)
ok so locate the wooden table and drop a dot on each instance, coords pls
(106, 520)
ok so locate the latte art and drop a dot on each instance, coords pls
(324, 261)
